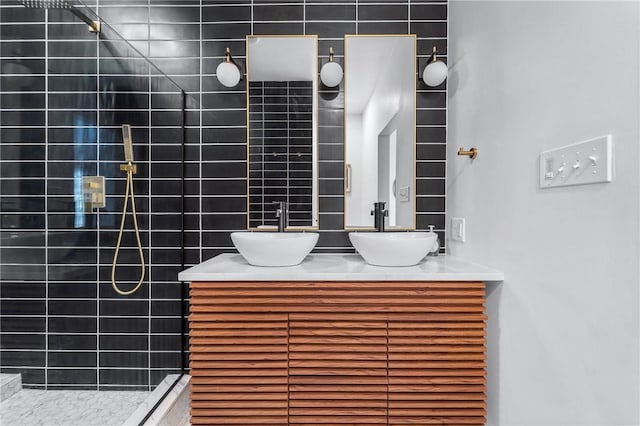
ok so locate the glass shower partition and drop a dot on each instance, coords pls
(64, 96)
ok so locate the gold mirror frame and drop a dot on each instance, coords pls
(347, 166)
(315, 210)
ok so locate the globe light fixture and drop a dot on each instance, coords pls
(228, 72)
(435, 73)
(331, 72)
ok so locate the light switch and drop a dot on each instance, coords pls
(549, 172)
(581, 163)
(403, 194)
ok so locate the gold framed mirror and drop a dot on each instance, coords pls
(282, 132)
(380, 129)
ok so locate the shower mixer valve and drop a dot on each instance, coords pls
(93, 192)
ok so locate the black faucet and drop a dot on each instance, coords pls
(379, 214)
(281, 214)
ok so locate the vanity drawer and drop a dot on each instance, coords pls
(239, 369)
(337, 369)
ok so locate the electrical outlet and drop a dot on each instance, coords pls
(458, 232)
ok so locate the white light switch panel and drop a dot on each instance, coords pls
(578, 164)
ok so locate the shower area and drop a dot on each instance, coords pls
(69, 82)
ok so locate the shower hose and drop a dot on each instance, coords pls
(130, 170)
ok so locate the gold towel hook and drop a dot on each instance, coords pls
(472, 153)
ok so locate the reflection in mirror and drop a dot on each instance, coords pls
(282, 89)
(380, 102)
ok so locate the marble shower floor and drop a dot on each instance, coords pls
(69, 408)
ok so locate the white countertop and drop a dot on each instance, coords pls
(339, 267)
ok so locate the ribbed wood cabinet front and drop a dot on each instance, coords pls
(337, 353)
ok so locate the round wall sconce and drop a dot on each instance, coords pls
(228, 72)
(331, 72)
(435, 73)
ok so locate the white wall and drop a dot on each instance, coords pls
(564, 326)
(356, 212)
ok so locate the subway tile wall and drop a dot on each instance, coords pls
(62, 325)
(64, 94)
(280, 151)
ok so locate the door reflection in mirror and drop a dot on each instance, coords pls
(380, 105)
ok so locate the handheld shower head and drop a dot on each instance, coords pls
(128, 144)
(130, 170)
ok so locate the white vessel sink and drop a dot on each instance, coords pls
(274, 248)
(393, 248)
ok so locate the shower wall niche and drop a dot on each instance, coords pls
(65, 92)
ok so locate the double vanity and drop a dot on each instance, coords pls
(335, 340)
(376, 248)
(387, 336)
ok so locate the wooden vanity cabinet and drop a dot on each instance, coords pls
(330, 353)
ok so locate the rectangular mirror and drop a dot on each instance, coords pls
(380, 129)
(281, 129)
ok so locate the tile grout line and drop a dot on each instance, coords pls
(46, 198)
(409, 22)
(357, 7)
(262, 171)
(149, 197)
(288, 165)
(200, 135)
(98, 140)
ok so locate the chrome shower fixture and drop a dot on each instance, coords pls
(94, 26)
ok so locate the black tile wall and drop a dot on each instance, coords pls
(280, 152)
(59, 123)
(63, 95)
